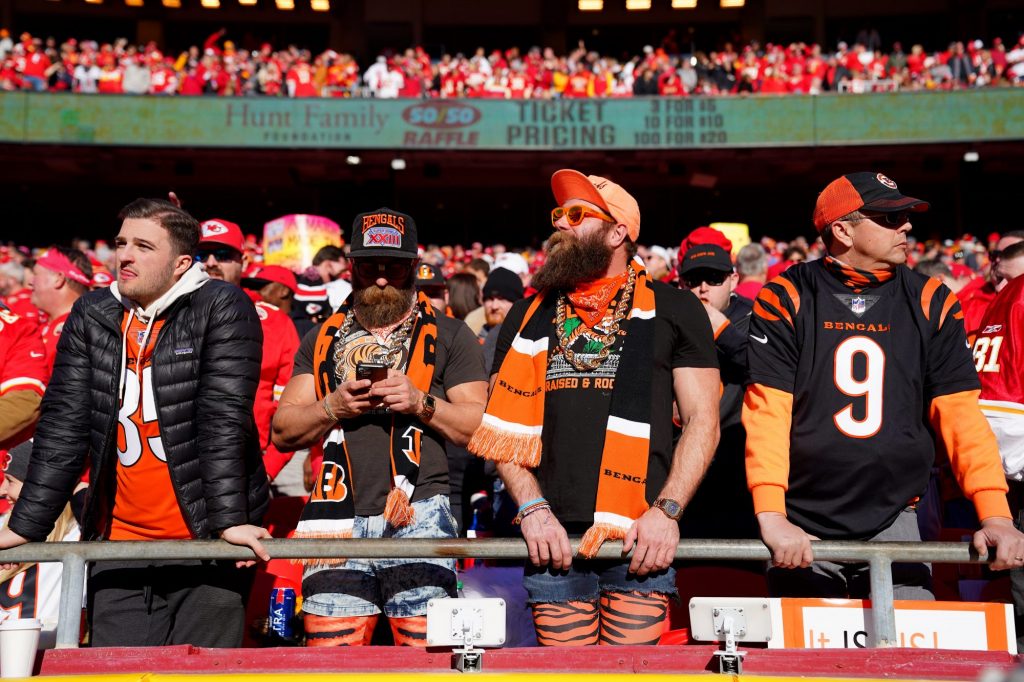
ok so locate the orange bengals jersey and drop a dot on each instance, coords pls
(145, 505)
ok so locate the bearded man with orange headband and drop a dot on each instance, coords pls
(580, 421)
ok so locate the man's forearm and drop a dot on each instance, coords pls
(456, 421)
(298, 426)
(692, 456)
(522, 485)
(18, 411)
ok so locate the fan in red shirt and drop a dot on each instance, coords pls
(975, 298)
(15, 293)
(299, 80)
(580, 83)
(23, 377)
(222, 250)
(111, 76)
(59, 278)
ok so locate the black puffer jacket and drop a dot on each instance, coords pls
(206, 366)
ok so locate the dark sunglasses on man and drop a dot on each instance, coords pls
(372, 269)
(714, 278)
(892, 220)
(222, 254)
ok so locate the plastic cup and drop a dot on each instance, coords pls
(19, 638)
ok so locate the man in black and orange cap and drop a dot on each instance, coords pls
(382, 384)
(848, 458)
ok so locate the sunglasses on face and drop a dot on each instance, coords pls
(713, 279)
(889, 219)
(575, 214)
(221, 254)
(393, 270)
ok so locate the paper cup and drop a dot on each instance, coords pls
(19, 638)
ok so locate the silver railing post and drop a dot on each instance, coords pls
(72, 585)
(883, 613)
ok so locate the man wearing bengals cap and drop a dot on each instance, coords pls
(580, 420)
(847, 459)
(221, 250)
(60, 277)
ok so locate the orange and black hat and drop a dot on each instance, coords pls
(429, 276)
(855, 191)
(384, 232)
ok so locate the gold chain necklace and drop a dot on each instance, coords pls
(393, 346)
(607, 340)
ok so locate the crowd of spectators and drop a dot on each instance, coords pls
(221, 68)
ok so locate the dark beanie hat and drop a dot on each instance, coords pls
(18, 458)
(503, 283)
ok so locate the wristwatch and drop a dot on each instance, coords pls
(427, 407)
(670, 508)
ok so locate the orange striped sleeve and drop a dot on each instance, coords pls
(973, 451)
(767, 417)
(721, 328)
(951, 301)
(794, 295)
(926, 296)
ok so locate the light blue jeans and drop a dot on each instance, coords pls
(400, 588)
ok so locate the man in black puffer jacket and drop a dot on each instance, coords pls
(154, 383)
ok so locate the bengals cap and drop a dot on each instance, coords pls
(855, 191)
(383, 233)
(571, 184)
(428, 276)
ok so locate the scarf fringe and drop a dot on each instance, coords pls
(503, 446)
(398, 510)
(321, 562)
(596, 536)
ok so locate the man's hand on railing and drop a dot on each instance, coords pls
(656, 537)
(8, 539)
(1000, 533)
(546, 540)
(247, 536)
(790, 545)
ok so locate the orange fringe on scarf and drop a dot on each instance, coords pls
(323, 562)
(502, 446)
(398, 510)
(596, 536)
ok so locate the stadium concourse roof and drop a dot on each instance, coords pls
(384, 664)
(495, 196)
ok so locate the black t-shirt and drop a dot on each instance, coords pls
(368, 437)
(862, 369)
(576, 404)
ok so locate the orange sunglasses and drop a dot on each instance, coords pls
(574, 215)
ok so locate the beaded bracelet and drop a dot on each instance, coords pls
(543, 504)
(327, 409)
(526, 505)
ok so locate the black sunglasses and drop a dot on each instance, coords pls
(889, 219)
(223, 254)
(713, 278)
(398, 269)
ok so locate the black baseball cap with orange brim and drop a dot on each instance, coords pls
(862, 191)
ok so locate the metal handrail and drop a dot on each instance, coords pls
(75, 555)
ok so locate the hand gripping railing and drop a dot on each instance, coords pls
(75, 555)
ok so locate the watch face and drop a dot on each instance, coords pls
(670, 507)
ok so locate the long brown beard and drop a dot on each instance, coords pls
(375, 307)
(575, 260)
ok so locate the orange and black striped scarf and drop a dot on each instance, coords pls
(856, 279)
(513, 424)
(330, 511)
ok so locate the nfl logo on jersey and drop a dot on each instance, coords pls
(858, 305)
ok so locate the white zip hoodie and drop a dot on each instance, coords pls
(193, 279)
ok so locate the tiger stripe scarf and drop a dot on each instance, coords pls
(330, 511)
(513, 423)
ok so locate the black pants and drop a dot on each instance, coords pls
(167, 602)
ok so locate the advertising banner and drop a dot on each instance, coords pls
(293, 240)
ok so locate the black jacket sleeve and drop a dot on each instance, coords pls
(229, 375)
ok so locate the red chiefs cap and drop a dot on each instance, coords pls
(705, 235)
(219, 231)
(57, 262)
(260, 276)
(855, 191)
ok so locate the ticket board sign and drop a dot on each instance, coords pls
(847, 624)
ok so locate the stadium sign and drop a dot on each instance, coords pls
(515, 125)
